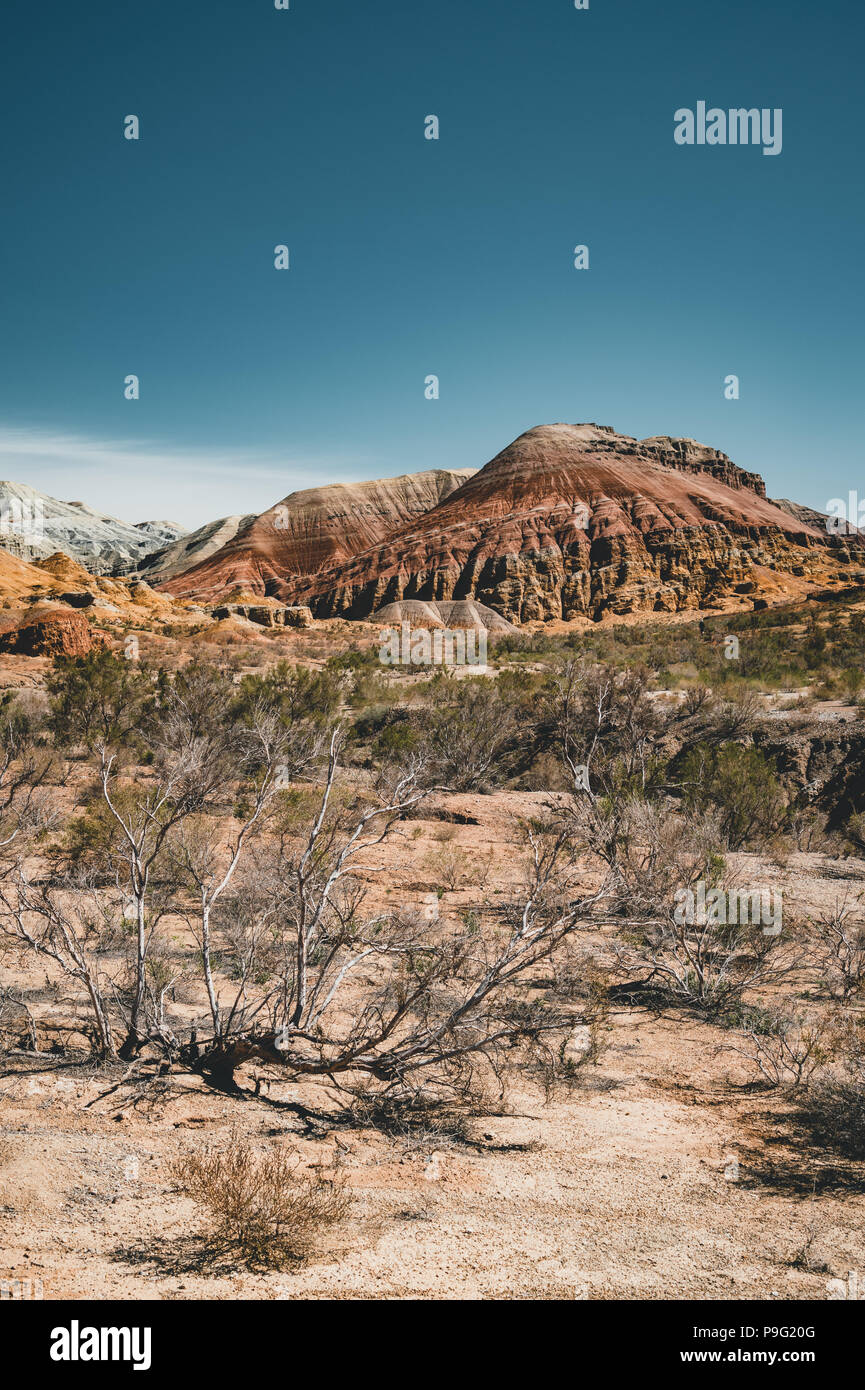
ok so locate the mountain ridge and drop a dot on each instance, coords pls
(34, 526)
(311, 528)
(578, 521)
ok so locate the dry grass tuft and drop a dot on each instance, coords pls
(263, 1205)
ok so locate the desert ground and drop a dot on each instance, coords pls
(663, 1166)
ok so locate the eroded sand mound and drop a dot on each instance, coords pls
(455, 613)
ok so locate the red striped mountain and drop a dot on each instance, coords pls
(576, 520)
(307, 530)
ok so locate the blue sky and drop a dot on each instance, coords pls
(412, 257)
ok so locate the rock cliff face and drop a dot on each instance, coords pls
(576, 520)
(822, 763)
(309, 529)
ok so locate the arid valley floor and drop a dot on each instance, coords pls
(664, 1167)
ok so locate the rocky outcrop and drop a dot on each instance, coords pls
(52, 632)
(265, 615)
(82, 600)
(822, 520)
(685, 455)
(60, 584)
(162, 533)
(821, 762)
(578, 521)
(310, 529)
(34, 526)
(299, 616)
(809, 515)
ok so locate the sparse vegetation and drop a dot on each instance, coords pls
(271, 877)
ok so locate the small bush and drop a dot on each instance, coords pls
(450, 867)
(262, 1205)
(788, 1049)
(837, 949)
(741, 783)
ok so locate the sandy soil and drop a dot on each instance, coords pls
(623, 1187)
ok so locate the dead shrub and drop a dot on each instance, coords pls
(788, 1049)
(578, 974)
(417, 1119)
(837, 950)
(453, 867)
(833, 1110)
(263, 1205)
(806, 1256)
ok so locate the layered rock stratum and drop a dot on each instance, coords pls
(311, 529)
(568, 521)
(578, 521)
(178, 557)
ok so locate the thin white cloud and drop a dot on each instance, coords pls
(140, 480)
